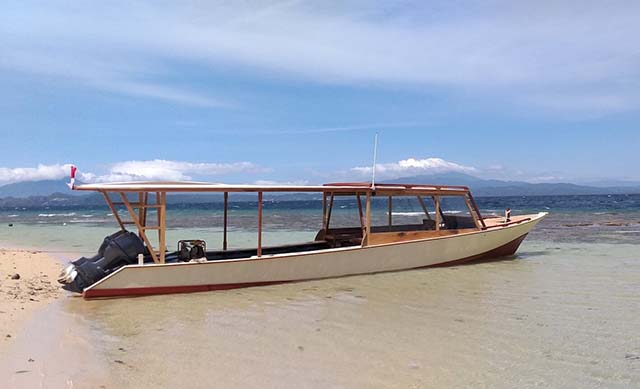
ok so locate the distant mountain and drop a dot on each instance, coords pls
(613, 183)
(482, 187)
(54, 190)
(35, 188)
(454, 179)
(90, 199)
(56, 193)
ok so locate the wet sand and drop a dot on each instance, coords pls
(27, 284)
(557, 315)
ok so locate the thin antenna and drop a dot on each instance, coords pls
(375, 157)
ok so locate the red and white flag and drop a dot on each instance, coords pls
(72, 179)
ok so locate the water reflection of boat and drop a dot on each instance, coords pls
(130, 264)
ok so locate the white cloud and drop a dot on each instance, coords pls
(97, 71)
(352, 128)
(596, 104)
(41, 172)
(317, 130)
(161, 92)
(579, 54)
(412, 166)
(157, 169)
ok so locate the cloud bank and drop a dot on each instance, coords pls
(151, 170)
(40, 172)
(412, 166)
(159, 169)
(165, 170)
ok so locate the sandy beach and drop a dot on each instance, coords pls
(27, 284)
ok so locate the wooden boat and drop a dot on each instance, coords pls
(441, 239)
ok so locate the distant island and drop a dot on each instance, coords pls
(483, 187)
(56, 193)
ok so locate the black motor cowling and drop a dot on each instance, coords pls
(121, 248)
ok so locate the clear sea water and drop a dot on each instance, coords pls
(614, 218)
(563, 312)
(81, 229)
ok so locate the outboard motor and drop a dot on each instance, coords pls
(119, 249)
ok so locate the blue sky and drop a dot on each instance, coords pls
(294, 91)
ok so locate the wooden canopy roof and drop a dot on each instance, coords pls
(336, 188)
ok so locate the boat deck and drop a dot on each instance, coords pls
(498, 221)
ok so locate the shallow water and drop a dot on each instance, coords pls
(73, 241)
(558, 314)
(562, 313)
(77, 239)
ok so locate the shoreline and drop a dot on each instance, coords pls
(34, 288)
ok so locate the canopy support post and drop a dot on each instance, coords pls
(141, 229)
(224, 229)
(146, 202)
(475, 206)
(324, 211)
(113, 210)
(472, 213)
(329, 211)
(142, 209)
(161, 225)
(259, 224)
(365, 241)
(390, 210)
(436, 200)
(360, 212)
(424, 207)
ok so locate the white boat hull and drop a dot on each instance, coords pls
(271, 269)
